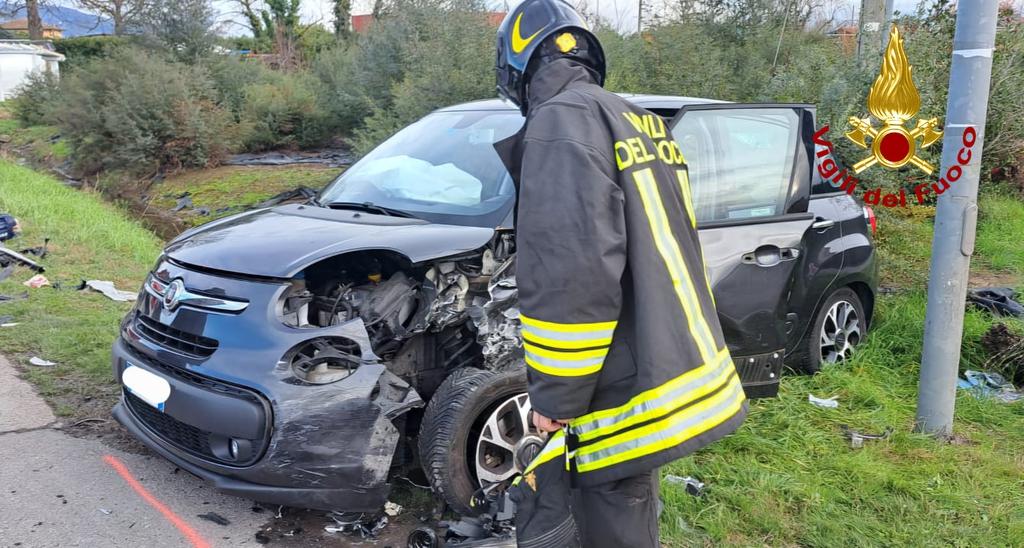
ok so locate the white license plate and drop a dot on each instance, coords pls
(150, 388)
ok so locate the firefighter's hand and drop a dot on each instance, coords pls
(545, 424)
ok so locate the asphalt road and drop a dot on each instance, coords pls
(60, 490)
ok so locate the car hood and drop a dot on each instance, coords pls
(279, 242)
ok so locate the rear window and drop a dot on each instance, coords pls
(740, 160)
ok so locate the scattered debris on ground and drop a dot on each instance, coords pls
(6, 272)
(332, 157)
(9, 298)
(858, 438)
(366, 525)
(35, 282)
(392, 509)
(997, 300)
(9, 227)
(215, 518)
(107, 288)
(302, 193)
(983, 384)
(39, 250)
(184, 201)
(37, 361)
(692, 485)
(1006, 351)
(828, 403)
(9, 257)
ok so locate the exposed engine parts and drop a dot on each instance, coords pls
(393, 301)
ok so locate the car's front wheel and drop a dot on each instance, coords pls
(476, 432)
(838, 328)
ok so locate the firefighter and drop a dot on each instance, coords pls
(627, 366)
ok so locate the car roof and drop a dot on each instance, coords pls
(642, 100)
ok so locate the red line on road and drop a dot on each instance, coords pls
(183, 527)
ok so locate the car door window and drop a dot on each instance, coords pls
(740, 160)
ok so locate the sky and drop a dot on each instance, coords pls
(620, 13)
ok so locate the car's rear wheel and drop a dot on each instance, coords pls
(476, 432)
(838, 328)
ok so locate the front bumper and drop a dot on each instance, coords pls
(325, 447)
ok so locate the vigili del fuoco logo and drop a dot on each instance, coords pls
(893, 100)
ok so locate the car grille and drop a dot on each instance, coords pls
(169, 428)
(189, 438)
(175, 339)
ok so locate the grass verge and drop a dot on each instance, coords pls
(226, 190)
(89, 240)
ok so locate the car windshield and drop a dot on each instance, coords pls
(442, 168)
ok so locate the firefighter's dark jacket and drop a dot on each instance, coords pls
(618, 322)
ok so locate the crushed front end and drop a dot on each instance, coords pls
(236, 414)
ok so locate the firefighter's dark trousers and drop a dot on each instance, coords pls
(618, 514)
(550, 513)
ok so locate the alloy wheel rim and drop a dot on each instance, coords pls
(504, 436)
(840, 332)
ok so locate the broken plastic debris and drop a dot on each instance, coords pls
(105, 511)
(108, 289)
(357, 522)
(215, 518)
(37, 281)
(857, 438)
(392, 509)
(989, 385)
(997, 300)
(693, 486)
(830, 403)
(35, 360)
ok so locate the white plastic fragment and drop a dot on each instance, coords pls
(35, 360)
(829, 403)
(392, 509)
(108, 289)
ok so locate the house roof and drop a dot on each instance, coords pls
(22, 24)
(26, 47)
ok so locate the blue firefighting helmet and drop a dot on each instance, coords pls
(542, 29)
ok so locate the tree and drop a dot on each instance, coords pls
(35, 23)
(125, 14)
(251, 12)
(342, 14)
(186, 27)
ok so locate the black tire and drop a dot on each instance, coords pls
(808, 355)
(460, 404)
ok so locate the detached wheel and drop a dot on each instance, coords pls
(476, 432)
(838, 328)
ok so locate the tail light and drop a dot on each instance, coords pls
(869, 215)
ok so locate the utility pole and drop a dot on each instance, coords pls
(639, 15)
(873, 28)
(956, 215)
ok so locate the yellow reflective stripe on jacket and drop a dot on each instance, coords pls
(569, 336)
(666, 433)
(555, 447)
(658, 401)
(565, 363)
(684, 188)
(668, 247)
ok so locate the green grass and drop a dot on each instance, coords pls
(237, 187)
(89, 240)
(1000, 225)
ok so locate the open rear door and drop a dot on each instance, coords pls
(749, 170)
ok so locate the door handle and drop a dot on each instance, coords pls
(822, 224)
(770, 255)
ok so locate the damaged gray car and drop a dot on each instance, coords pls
(308, 354)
